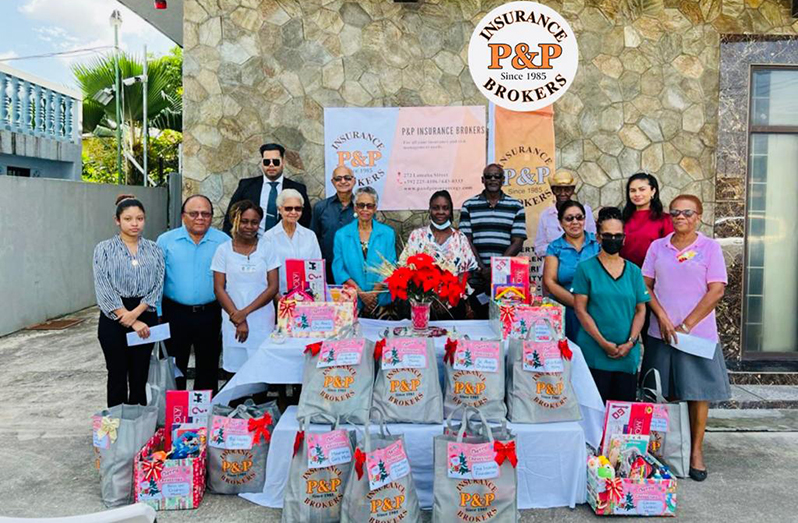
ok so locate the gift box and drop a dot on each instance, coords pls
(631, 496)
(514, 320)
(186, 406)
(510, 271)
(320, 319)
(169, 484)
(306, 275)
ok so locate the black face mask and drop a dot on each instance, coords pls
(612, 245)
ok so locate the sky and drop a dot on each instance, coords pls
(36, 27)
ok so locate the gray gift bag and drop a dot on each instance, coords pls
(395, 501)
(314, 495)
(239, 470)
(475, 388)
(133, 426)
(539, 397)
(474, 426)
(335, 391)
(492, 500)
(671, 446)
(408, 394)
(160, 378)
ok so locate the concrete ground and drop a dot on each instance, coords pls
(53, 381)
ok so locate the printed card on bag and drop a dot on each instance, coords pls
(327, 449)
(103, 442)
(482, 356)
(230, 434)
(471, 461)
(340, 353)
(387, 464)
(404, 353)
(659, 419)
(542, 357)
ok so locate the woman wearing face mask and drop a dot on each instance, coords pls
(562, 257)
(448, 246)
(643, 218)
(686, 276)
(609, 299)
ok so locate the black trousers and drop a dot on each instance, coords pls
(201, 328)
(127, 366)
(614, 385)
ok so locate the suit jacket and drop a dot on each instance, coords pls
(348, 259)
(251, 188)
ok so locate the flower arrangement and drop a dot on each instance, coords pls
(421, 280)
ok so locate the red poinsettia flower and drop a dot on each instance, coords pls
(421, 261)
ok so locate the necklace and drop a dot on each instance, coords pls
(133, 257)
(251, 250)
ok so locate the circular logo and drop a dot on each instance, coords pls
(523, 56)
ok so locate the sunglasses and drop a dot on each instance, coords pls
(194, 214)
(339, 179)
(271, 161)
(288, 208)
(577, 217)
(608, 236)
(687, 213)
(493, 176)
(363, 205)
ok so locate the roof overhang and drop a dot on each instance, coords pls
(169, 21)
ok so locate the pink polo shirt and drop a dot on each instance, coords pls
(681, 279)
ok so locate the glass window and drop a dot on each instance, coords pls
(774, 99)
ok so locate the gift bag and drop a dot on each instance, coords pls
(318, 475)
(475, 377)
(238, 443)
(475, 477)
(539, 386)
(118, 434)
(380, 487)
(407, 388)
(670, 427)
(173, 483)
(337, 380)
(473, 423)
(160, 378)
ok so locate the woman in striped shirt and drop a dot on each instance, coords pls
(128, 280)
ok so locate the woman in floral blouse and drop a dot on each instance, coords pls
(449, 247)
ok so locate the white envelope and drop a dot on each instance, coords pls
(701, 347)
(157, 333)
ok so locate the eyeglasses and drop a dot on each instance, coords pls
(292, 209)
(271, 161)
(562, 188)
(607, 236)
(687, 213)
(338, 179)
(493, 176)
(363, 205)
(194, 214)
(572, 217)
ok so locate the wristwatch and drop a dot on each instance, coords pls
(633, 340)
(685, 328)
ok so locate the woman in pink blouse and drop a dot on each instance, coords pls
(686, 277)
(448, 246)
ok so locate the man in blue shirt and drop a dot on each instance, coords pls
(189, 304)
(334, 212)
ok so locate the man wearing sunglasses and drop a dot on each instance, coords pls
(563, 186)
(263, 190)
(334, 212)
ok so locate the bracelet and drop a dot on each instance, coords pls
(685, 327)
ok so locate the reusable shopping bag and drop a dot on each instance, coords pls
(670, 427)
(160, 378)
(475, 377)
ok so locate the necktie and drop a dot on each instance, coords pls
(271, 208)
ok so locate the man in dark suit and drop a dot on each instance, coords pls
(263, 190)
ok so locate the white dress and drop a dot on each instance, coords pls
(303, 246)
(246, 279)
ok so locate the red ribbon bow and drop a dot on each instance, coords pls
(378, 348)
(505, 451)
(314, 348)
(507, 316)
(451, 348)
(300, 435)
(152, 469)
(259, 427)
(360, 459)
(565, 350)
(287, 308)
(614, 489)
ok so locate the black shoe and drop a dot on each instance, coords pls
(698, 475)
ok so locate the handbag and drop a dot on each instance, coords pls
(160, 378)
(670, 427)
(475, 377)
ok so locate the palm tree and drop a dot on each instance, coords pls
(164, 103)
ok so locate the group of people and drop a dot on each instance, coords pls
(612, 275)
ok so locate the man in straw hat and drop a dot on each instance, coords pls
(563, 185)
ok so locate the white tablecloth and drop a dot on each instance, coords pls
(282, 363)
(551, 461)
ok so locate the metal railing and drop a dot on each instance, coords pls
(36, 107)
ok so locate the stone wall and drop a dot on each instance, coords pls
(645, 96)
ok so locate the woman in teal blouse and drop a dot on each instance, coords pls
(359, 248)
(609, 299)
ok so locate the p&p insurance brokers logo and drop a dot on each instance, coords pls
(523, 56)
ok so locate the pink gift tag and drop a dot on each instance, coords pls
(404, 353)
(313, 319)
(542, 357)
(103, 442)
(387, 464)
(481, 356)
(327, 449)
(230, 434)
(471, 461)
(340, 352)
(659, 419)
